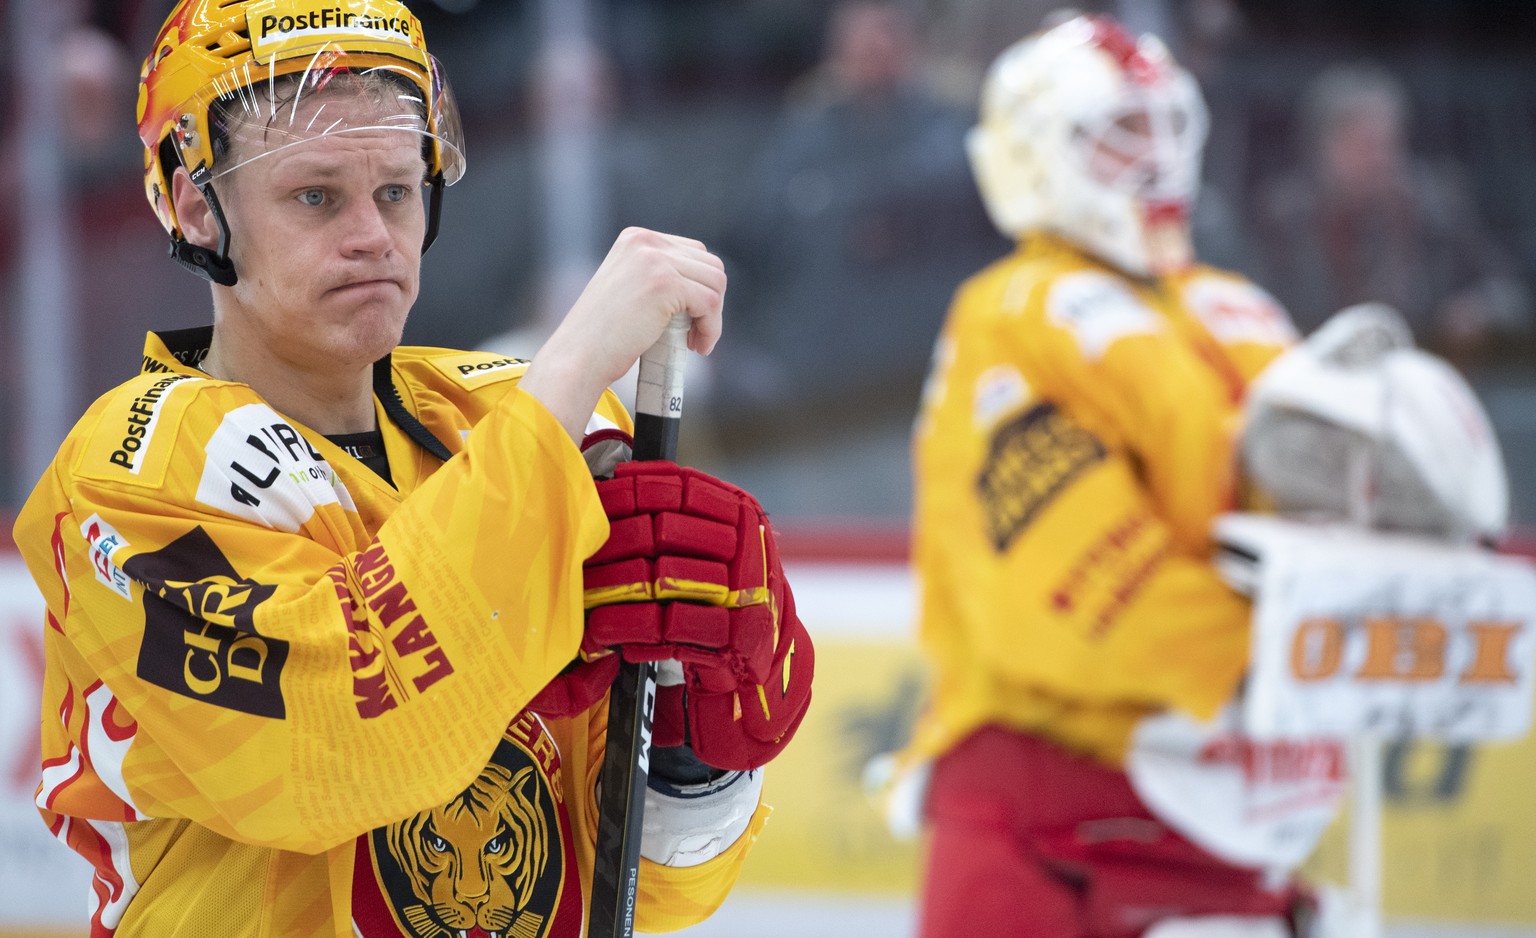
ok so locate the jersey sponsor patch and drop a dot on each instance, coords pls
(478, 369)
(1030, 461)
(1000, 390)
(258, 467)
(200, 637)
(1237, 311)
(496, 860)
(1099, 311)
(104, 541)
(139, 423)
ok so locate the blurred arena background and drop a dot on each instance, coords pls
(818, 148)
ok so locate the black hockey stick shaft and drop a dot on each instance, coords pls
(632, 701)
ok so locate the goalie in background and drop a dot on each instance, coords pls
(1074, 445)
(1099, 404)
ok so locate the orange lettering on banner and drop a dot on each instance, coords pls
(1317, 650)
(1491, 662)
(1398, 649)
(1391, 643)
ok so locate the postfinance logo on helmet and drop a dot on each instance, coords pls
(221, 60)
(273, 33)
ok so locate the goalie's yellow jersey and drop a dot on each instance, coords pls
(285, 699)
(1074, 444)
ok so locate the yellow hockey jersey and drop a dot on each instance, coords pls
(1074, 444)
(285, 699)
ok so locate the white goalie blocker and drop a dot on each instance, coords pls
(1378, 607)
(1356, 424)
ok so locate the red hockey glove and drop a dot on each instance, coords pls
(581, 685)
(691, 573)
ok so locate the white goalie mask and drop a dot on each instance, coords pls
(1356, 424)
(1096, 136)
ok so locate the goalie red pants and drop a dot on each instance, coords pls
(1031, 841)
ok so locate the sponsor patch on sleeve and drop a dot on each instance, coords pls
(1237, 311)
(1000, 390)
(258, 467)
(479, 369)
(200, 637)
(1031, 460)
(122, 445)
(1099, 311)
(104, 541)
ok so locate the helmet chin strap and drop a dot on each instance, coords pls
(215, 265)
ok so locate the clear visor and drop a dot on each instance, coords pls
(336, 92)
(1147, 147)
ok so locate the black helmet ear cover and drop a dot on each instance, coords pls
(435, 187)
(209, 263)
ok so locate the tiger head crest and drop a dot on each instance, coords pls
(474, 863)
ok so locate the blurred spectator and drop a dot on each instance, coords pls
(560, 164)
(1364, 218)
(131, 283)
(861, 215)
(1208, 37)
(115, 249)
(964, 36)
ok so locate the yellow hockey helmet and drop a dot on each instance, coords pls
(214, 58)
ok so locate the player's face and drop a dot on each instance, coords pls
(327, 239)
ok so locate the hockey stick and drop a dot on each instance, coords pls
(632, 701)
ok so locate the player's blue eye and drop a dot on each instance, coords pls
(312, 197)
(395, 193)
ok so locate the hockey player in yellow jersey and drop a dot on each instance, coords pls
(1075, 443)
(318, 661)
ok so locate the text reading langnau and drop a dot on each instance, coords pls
(333, 18)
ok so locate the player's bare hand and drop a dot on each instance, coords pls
(646, 279)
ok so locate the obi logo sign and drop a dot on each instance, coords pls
(1392, 648)
(1429, 642)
